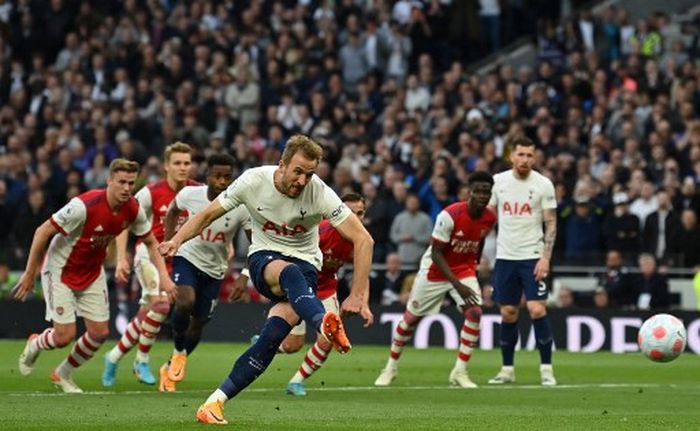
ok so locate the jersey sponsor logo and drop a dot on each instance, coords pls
(461, 246)
(212, 236)
(517, 208)
(100, 241)
(283, 229)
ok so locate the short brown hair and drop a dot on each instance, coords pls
(123, 165)
(177, 147)
(522, 141)
(306, 145)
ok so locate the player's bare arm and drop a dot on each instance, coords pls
(121, 272)
(171, 218)
(549, 217)
(241, 284)
(192, 228)
(352, 229)
(438, 255)
(42, 237)
(166, 284)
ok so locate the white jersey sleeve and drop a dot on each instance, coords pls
(332, 207)
(145, 201)
(238, 192)
(444, 224)
(141, 225)
(71, 217)
(549, 198)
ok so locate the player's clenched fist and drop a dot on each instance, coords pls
(167, 248)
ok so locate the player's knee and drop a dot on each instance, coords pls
(292, 344)
(537, 310)
(161, 307)
(99, 335)
(509, 314)
(410, 319)
(64, 337)
(473, 314)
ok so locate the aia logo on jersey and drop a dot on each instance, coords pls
(283, 229)
(461, 246)
(211, 236)
(517, 208)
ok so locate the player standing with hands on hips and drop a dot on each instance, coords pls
(286, 204)
(524, 200)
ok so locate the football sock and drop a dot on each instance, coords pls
(468, 336)
(82, 351)
(314, 359)
(150, 327)
(302, 297)
(45, 341)
(180, 322)
(127, 341)
(509, 337)
(402, 334)
(253, 362)
(543, 339)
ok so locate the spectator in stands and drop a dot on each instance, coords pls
(651, 286)
(661, 234)
(390, 282)
(410, 231)
(615, 278)
(565, 298)
(645, 204)
(621, 229)
(582, 231)
(600, 298)
(690, 238)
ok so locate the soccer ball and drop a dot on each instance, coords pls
(662, 337)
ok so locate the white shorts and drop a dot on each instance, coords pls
(427, 296)
(146, 274)
(63, 303)
(330, 304)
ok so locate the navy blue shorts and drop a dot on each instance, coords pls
(513, 277)
(206, 288)
(259, 260)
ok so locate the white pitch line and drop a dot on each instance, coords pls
(366, 388)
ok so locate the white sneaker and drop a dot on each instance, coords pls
(27, 358)
(387, 376)
(503, 376)
(461, 378)
(547, 375)
(66, 383)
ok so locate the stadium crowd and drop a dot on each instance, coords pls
(612, 106)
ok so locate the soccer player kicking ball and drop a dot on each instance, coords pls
(337, 251)
(286, 204)
(145, 326)
(449, 266)
(72, 275)
(525, 200)
(200, 264)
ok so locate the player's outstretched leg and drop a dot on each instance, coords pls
(181, 318)
(402, 334)
(125, 344)
(543, 339)
(83, 349)
(35, 344)
(310, 308)
(249, 366)
(313, 360)
(469, 335)
(150, 327)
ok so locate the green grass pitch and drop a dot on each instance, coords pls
(597, 391)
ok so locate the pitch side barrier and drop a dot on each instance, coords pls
(575, 330)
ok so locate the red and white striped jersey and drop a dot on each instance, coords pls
(337, 251)
(155, 199)
(463, 235)
(87, 226)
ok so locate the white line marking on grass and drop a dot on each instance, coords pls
(364, 388)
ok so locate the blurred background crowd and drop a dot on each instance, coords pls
(387, 88)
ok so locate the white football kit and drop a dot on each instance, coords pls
(280, 223)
